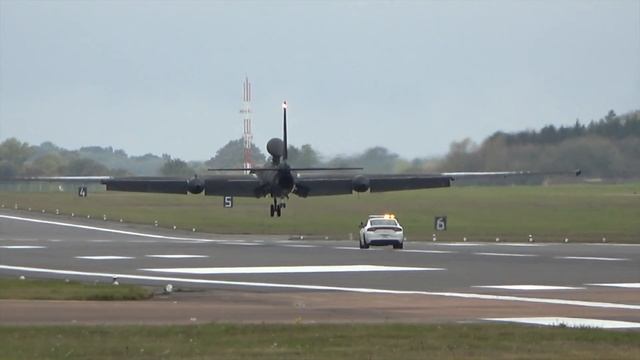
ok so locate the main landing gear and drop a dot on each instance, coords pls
(276, 208)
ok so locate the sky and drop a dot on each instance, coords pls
(412, 76)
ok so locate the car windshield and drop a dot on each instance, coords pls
(383, 222)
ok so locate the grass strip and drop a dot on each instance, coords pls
(579, 212)
(33, 289)
(301, 341)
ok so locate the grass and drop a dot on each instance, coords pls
(388, 341)
(31, 289)
(580, 212)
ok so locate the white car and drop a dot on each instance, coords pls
(381, 230)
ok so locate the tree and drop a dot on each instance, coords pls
(304, 156)
(176, 167)
(15, 152)
(47, 165)
(84, 167)
(232, 155)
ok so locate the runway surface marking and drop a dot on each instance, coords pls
(95, 228)
(591, 258)
(520, 244)
(591, 304)
(570, 322)
(620, 285)
(428, 251)
(528, 287)
(23, 247)
(352, 248)
(289, 269)
(458, 244)
(503, 254)
(299, 246)
(106, 257)
(19, 239)
(239, 243)
(177, 256)
(610, 244)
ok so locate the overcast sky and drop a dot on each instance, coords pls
(166, 76)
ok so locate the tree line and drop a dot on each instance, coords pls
(606, 148)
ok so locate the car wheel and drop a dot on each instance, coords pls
(398, 245)
(364, 242)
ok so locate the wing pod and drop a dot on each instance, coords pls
(195, 185)
(360, 183)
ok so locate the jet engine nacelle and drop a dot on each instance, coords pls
(195, 185)
(275, 147)
(360, 183)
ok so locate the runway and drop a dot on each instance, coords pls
(257, 278)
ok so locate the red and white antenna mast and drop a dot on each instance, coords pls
(247, 136)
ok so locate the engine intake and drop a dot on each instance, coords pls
(360, 183)
(195, 185)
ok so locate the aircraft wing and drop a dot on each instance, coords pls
(148, 184)
(339, 185)
(244, 186)
(318, 185)
(222, 185)
(490, 174)
(66, 179)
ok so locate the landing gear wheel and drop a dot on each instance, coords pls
(272, 210)
(279, 210)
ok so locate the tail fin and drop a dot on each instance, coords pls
(284, 136)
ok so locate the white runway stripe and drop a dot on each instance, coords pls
(591, 258)
(570, 322)
(239, 243)
(620, 285)
(528, 287)
(95, 228)
(458, 244)
(503, 254)
(177, 256)
(520, 244)
(428, 251)
(590, 304)
(288, 269)
(300, 246)
(22, 247)
(107, 257)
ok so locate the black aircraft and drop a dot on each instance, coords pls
(278, 180)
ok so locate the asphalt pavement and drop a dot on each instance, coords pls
(427, 279)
